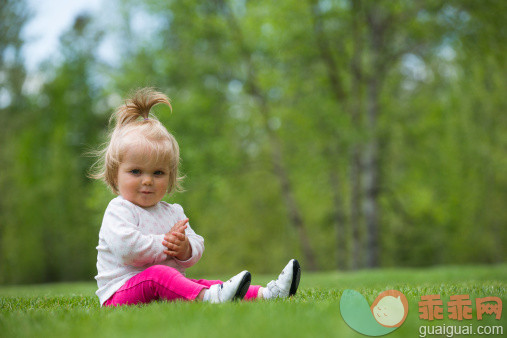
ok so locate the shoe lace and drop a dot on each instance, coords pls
(273, 287)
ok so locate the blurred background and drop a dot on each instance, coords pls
(349, 134)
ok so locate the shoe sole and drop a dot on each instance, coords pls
(296, 276)
(243, 287)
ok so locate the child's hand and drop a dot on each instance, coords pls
(177, 243)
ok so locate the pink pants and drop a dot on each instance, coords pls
(164, 282)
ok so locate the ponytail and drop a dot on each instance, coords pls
(138, 106)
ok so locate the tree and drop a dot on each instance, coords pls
(13, 109)
(49, 219)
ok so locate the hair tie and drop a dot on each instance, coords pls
(145, 118)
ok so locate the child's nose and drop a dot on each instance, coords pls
(147, 180)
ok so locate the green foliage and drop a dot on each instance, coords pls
(47, 230)
(240, 75)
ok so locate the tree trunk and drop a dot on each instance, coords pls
(371, 153)
(279, 169)
(370, 184)
(293, 211)
(355, 207)
(338, 91)
(355, 108)
(338, 216)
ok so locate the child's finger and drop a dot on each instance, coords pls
(173, 253)
(170, 253)
(176, 242)
(177, 225)
(170, 237)
(180, 230)
(180, 224)
(171, 246)
(180, 236)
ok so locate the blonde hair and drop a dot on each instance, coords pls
(136, 126)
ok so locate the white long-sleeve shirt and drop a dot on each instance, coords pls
(130, 240)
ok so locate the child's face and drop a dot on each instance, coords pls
(142, 181)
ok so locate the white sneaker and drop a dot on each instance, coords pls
(235, 288)
(287, 283)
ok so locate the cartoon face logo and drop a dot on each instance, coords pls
(386, 314)
(390, 308)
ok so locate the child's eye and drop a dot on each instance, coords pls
(159, 172)
(135, 171)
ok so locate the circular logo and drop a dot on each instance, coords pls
(386, 314)
(390, 308)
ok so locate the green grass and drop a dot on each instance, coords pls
(71, 309)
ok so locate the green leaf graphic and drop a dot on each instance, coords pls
(356, 312)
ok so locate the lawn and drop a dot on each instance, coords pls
(71, 309)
